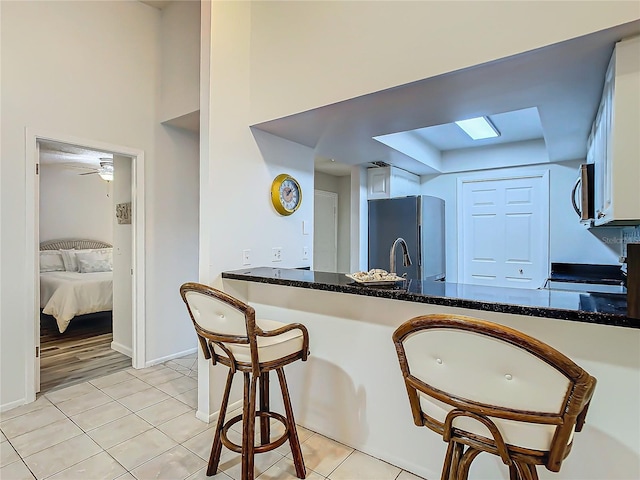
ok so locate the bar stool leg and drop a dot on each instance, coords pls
(265, 424)
(465, 462)
(248, 425)
(522, 471)
(245, 427)
(452, 459)
(294, 442)
(513, 473)
(216, 448)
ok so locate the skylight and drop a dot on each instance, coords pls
(478, 128)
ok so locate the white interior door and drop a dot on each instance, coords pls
(503, 231)
(325, 231)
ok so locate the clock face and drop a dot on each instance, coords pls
(289, 194)
(286, 194)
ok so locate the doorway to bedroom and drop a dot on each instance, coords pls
(85, 238)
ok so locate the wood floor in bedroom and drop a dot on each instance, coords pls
(81, 353)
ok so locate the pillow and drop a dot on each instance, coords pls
(99, 260)
(51, 261)
(69, 259)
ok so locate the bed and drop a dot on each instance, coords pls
(76, 278)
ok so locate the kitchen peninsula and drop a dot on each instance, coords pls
(351, 389)
(561, 305)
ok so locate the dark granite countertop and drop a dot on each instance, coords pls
(604, 309)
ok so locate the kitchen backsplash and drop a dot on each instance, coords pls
(629, 235)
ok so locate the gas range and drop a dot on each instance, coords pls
(586, 278)
(585, 287)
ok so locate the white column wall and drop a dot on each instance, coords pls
(236, 209)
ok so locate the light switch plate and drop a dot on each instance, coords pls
(246, 257)
(276, 254)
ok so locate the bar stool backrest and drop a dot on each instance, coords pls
(471, 378)
(220, 319)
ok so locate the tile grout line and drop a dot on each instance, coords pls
(83, 432)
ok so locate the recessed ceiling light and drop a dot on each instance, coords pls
(478, 128)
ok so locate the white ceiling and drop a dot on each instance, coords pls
(62, 154)
(560, 84)
(513, 127)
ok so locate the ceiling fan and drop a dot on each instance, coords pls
(105, 170)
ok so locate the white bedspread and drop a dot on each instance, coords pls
(68, 294)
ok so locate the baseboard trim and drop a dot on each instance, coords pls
(156, 361)
(214, 416)
(118, 347)
(14, 404)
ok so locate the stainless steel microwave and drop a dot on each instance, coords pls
(583, 193)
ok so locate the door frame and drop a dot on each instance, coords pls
(493, 176)
(32, 137)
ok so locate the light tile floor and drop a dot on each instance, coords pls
(141, 424)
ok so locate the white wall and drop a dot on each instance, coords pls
(342, 186)
(344, 223)
(180, 44)
(297, 65)
(73, 205)
(174, 172)
(122, 260)
(173, 232)
(240, 165)
(569, 241)
(91, 70)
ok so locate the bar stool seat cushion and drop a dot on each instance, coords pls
(269, 348)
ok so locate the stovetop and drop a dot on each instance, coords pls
(586, 274)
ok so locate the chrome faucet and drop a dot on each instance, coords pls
(406, 259)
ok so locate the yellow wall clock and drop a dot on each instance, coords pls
(286, 194)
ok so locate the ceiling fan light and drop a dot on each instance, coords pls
(106, 172)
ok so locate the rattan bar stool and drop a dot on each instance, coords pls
(488, 388)
(230, 335)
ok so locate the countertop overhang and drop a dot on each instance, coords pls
(561, 305)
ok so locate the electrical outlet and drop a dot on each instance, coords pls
(246, 257)
(305, 253)
(276, 254)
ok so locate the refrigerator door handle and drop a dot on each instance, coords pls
(419, 247)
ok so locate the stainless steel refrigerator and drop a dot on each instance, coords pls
(419, 220)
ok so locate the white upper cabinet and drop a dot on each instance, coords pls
(391, 182)
(614, 143)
